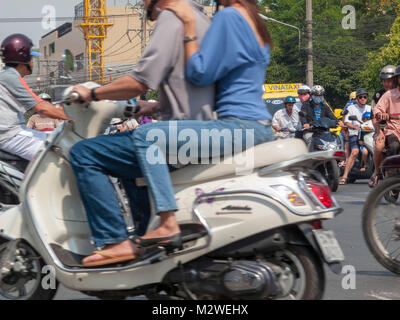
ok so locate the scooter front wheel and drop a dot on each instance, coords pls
(26, 278)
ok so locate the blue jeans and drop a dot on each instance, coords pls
(140, 153)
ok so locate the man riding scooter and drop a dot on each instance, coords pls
(389, 82)
(354, 129)
(388, 105)
(314, 109)
(16, 98)
(285, 121)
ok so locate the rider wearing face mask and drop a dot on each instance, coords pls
(315, 108)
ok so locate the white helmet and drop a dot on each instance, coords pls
(303, 89)
(317, 90)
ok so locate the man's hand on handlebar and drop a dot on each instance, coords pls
(83, 93)
(146, 108)
(383, 116)
(306, 126)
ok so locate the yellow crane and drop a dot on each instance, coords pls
(94, 28)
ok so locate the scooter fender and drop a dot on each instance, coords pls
(13, 225)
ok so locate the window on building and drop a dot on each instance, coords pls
(52, 48)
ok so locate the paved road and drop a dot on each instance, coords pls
(372, 281)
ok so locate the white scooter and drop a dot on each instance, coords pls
(249, 236)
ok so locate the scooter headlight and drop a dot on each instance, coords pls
(288, 194)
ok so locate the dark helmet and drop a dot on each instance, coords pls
(16, 48)
(387, 72)
(290, 99)
(397, 72)
(361, 91)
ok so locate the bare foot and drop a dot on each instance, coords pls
(113, 253)
(168, 227)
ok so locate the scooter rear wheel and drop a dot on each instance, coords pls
(308, 269)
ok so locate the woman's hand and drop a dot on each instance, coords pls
(182, 10)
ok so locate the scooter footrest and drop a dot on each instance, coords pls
(73, 260)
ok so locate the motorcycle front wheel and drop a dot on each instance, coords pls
(381, 224)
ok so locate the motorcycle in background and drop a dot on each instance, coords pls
(323, 139)
(12, 170)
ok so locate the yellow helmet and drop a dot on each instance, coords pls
(352, 95)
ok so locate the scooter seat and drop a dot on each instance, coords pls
(262, 155)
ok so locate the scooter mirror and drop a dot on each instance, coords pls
(344, 112)
(353, 118)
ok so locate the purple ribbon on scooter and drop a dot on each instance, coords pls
(199, 192)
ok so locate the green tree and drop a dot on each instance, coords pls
(388, 54)
(339, 55)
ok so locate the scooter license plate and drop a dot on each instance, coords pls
(329, 246)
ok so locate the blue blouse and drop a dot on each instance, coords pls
(231, 56)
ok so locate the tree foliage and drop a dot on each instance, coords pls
(341, 56)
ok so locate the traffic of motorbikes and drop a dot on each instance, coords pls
(258, 235)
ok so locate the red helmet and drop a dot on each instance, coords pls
(16, 48)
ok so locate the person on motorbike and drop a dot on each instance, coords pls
(366, 117)
(355, 129)
(40, 122)
(387, 75)
(304, 93)
(285, 121)
(239, 106)
(388, 82)
(387, 105)
(16, 98)
(344, 133)
(314, 109)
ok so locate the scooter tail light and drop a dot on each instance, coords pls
(293, 197)
(339, 154)
(322, 193)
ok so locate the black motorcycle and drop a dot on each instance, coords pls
(324, 140)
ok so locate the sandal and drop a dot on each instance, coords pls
(343, 181)
(373, 181)
(108, 259)
(169, 243)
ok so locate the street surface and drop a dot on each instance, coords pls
(372, 281)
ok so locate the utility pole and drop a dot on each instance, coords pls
(310, 66)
